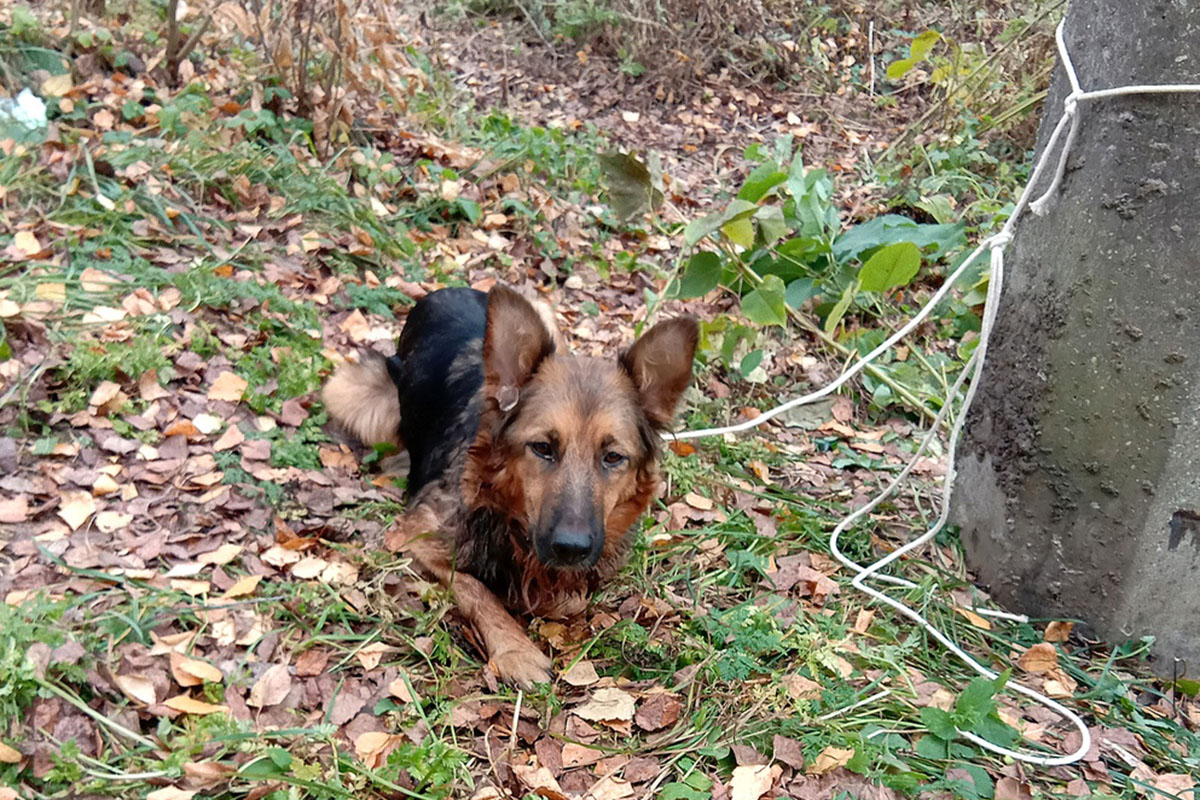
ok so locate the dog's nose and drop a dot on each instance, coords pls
(570, 546)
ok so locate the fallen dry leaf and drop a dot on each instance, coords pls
(14, 509)
(171, 793)
(799, 687)
(399, 690)
(372, 654)
(581, 673)
(610, 787)
(750, 782)
(1012, 789)
(312, 662)
(830, 759)
(271, 688)
(190, 705)
(27, 243)
(76, 508)
(1175, 783)
(373, 747)
(578, 755)
(973, 618)
(193, 672)
(657, 712)
(309, 567)
(789, 751)
(221, 556)
(207, 773)
(229, 387)
(193, 588)
(230, 439)
(1042, 657)
(9, 755)
(243, 587)
(136, 688)
(1058, 631)
(537, 779)
(607, 705)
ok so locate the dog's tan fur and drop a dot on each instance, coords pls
(474, 528)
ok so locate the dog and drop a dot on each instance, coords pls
(528, 465)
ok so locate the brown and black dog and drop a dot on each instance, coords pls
(529, 465)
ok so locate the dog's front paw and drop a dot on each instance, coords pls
(522, 666)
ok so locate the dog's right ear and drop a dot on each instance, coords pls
(515, 344)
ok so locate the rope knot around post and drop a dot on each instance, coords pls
(1001, 240)
(1071, 104)
(1052, 153)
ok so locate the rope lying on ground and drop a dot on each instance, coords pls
(996, 245)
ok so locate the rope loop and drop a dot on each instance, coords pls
(996, 244)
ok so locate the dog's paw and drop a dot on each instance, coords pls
(522, 666)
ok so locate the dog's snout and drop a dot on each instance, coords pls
(571, 546)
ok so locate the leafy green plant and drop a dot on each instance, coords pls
(975, 711)
(779, 244)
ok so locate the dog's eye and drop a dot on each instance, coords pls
(542, 450)
(613, 459)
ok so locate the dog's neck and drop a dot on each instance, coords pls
(494, 547)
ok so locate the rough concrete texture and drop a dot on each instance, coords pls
(1079, 481)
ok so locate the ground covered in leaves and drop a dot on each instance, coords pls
(196, 603)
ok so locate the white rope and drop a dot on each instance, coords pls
(996, 244)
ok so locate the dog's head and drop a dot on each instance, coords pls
(573, 442)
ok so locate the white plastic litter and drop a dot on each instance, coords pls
(26, 111)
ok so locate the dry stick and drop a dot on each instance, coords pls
(193, 40)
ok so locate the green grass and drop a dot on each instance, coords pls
(694, 611)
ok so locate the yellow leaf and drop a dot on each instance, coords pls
(54, 292)
(973, 618)
(192, 671)
(228, 387)
(244, 587)
(27, 243)
(76, 508)
(93, 280)
(193, 588)
(190, 705)
(222, 555)
(9, 755)
(56, 85)
(830, 759)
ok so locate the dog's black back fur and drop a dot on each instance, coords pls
(438, 370)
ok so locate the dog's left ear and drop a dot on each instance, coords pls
(660, 365)
(515, 343)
